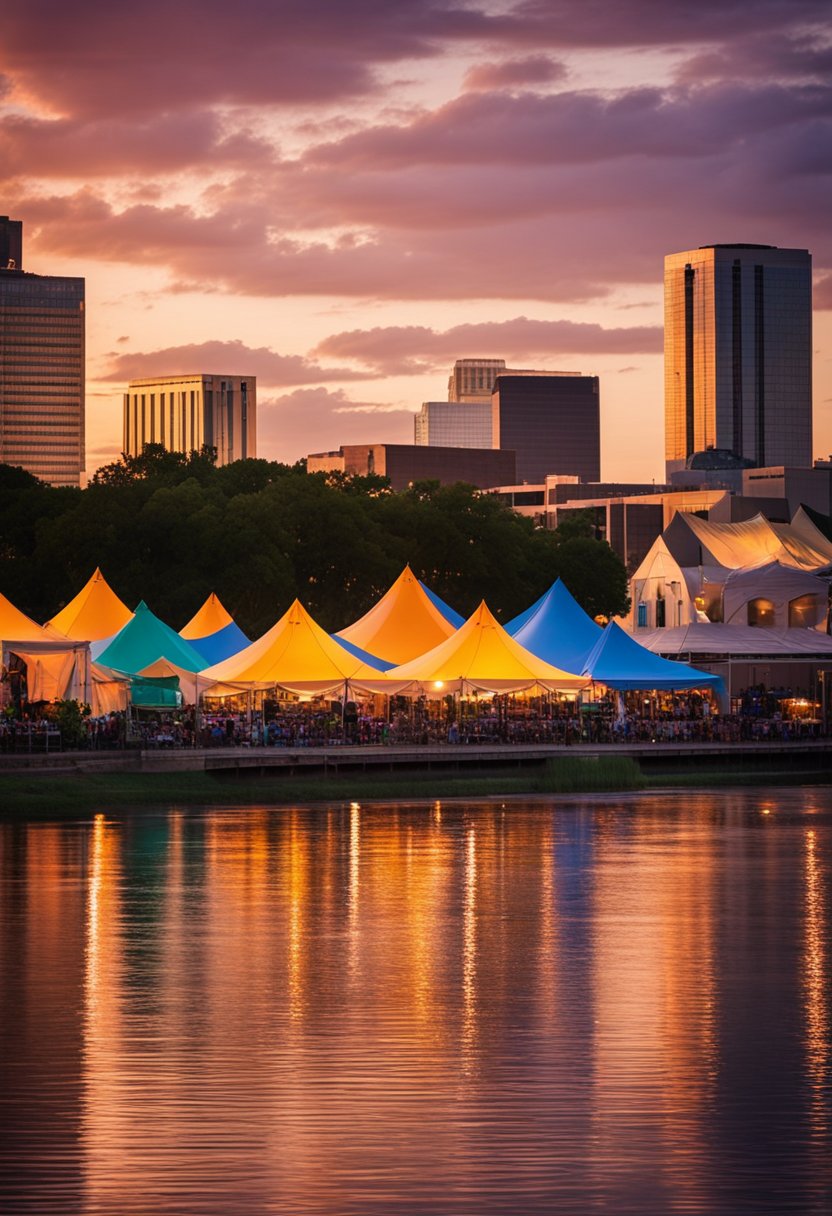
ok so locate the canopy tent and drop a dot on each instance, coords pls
(296, 654)
(481, 657)
(371, 660)
(783, 587)
(450, 614)
(96, 612)
(752, 542)
(57, 667)
(214, 632)
(556, 629)
(210, 618)
(145, 639)
(402, 625)
(109, 692)
(619, 662)
(716, 641)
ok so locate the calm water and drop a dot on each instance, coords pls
(563, 1006)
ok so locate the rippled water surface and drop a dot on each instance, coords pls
(610, 1004)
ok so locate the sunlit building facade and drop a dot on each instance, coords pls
(186, 413)
(42, 339)
(454, 424)
(738, 354)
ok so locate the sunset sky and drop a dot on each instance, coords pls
(342, 198)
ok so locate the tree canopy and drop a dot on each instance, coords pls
(170, 529)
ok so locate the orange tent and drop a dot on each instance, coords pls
(210, 618)
(96, 612)
(295, 654)
(56, 666)
(403, 624)
(480, 657)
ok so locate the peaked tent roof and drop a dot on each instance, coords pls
(618, 661)
(211, 618)
(481, 656)
(296, 654)
(96, 612)
(403, 624)
(449, 613)
(145, 639)
(220, 645)
(557, 629)
(16, 626)
(714, 641)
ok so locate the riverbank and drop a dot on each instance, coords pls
(44, 795)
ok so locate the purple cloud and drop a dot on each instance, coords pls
(514, 73)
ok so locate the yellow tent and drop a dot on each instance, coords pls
(480, 657)
(296, 654)
(56, 666)
(95, 613)
(210, 618)
(402, 625)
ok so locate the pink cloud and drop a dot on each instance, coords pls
(234, 357)
(399, 350)
(514, 73)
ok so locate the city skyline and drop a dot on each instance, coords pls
(348, 212)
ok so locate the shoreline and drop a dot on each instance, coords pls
(41, 793)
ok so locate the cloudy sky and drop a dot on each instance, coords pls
(342, 198)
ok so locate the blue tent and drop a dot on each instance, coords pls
(447, 611)
(143, 640)
(556, 629)
(620, 662)
(216, 647)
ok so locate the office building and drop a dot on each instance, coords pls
(473, 379)
(454, 424)
(41, 366)
(406, 463)
(551, 420)
(186, 413)
(738, 354)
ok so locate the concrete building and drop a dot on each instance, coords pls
(473, 379)
(552, 422)
(738, 354)
(454, 424)
(42, 340)
(407, 463)
(188, 412)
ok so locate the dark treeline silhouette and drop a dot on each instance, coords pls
(169, 529)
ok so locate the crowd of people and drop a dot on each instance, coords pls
(757, 715)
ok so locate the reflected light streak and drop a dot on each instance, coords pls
(815, 982)
(469, 953)
(354, 886)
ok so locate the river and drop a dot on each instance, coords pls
(566, 1005)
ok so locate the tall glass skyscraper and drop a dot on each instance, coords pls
(738, 354)
(41, 367)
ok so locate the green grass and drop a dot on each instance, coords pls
(104, 791)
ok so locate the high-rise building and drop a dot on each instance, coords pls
(454, 424)
(738, 353)
(551, 420)
(473, 379)
(186, 413)
(41, 366)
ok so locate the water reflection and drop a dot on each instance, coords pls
(460, 1009)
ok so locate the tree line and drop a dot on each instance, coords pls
(170, 528)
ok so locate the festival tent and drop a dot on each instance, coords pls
(145, 639)
(214, 632)
(556, 629)
(109, 692)
(96, 612)
(402, 625)
(296, 654)
(57, 667)
(619, 662)
(449, 613)
(480, 657)
(372, 660)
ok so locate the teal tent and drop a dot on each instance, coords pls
(556, 629)
(618, 661)
(143, 640)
